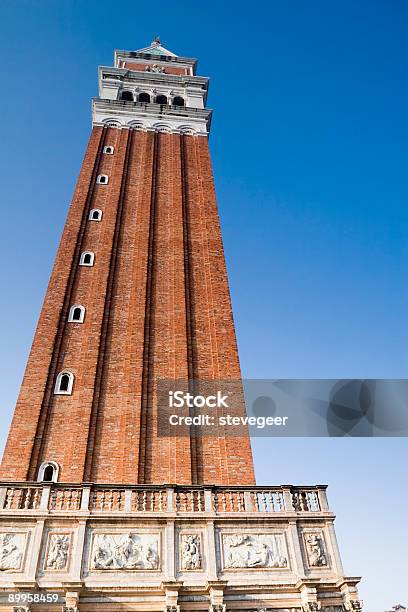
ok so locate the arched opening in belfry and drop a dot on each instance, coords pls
(178, 101)
(144, 97)
(127, 96)
(161, 99)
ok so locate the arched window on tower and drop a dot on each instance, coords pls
(64, 383)
(126, 95)
(95, 214)
(87, 258)
(76, 314)
(108, 150)
(48, 472)
(144, 97)
(161, 99)
(102, 179)
(178, 101)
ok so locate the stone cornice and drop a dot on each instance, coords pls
(151, 116)
(190, 61)
(151, 77)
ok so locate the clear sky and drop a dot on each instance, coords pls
(309, 145)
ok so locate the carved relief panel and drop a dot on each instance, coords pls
(12, 549)
(254, 550)
(190, 551)
(125, 551)
(57, 551)
(315, 547)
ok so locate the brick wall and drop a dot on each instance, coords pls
(157, 306)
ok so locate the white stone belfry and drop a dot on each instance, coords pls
(152, 89)
(219, 548)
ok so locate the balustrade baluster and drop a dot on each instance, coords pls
(19, 499)
(36, 498)
(216, 502)
(241, 498)
(9, 498)
(68, 499)
(60, 500)
(27, 498)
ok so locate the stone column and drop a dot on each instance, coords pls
(78, 551)
(298, 566)
(211, 552)
(35, 550)
(169, 551)
(216, 592)
(334, 547)
(171, 589)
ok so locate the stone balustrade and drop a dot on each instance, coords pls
(92, 498)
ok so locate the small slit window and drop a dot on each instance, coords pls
(144, 97)
(127, 96)
(64, 383)
(178, 101)
(102, 179)
(87, 258)
(161, 100)
(95, 214)
(108, 150)
(76, 314)
(48, 472)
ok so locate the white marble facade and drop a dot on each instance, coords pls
(220, 560)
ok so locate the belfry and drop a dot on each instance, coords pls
(97, 510)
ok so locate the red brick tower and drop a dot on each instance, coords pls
(138, 293)
(98, 512)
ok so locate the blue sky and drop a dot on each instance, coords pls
(309, 145)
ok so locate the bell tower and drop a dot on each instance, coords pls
(139, 293)
(98, 511)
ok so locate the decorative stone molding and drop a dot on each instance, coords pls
(352, 605)
(191, 552)
(176, 119)
(218, 608)
(155, 68)
(172, 609)
(316, 550)
(12, 545)
(57, 551)
(311, 606)
(254, 550)
(128, 551)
